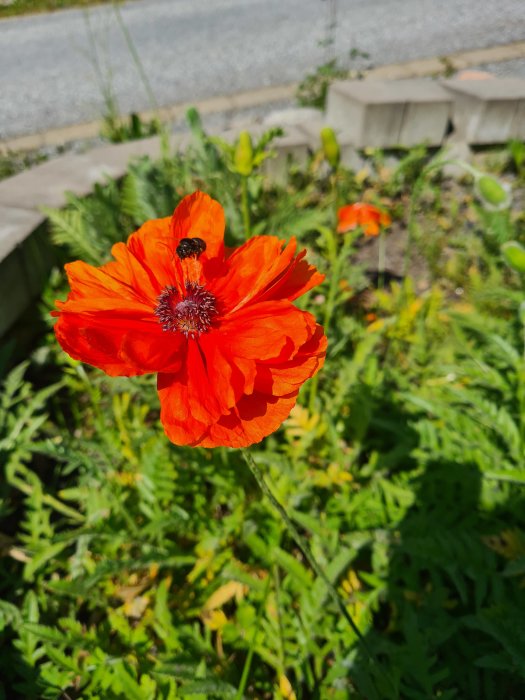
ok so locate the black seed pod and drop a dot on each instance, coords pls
(190, 247)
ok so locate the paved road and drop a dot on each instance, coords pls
(193, 49)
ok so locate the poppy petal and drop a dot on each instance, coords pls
(287, 377)
(271, 329)
(154, 246)
(119, 345)
(180, 425)
(255, 417)
(200, 216)
(209, 385)
(107, 322)
(251, 270)
(295, 281)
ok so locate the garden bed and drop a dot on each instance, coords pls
(134, 568)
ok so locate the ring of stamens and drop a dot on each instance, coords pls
(191, 314)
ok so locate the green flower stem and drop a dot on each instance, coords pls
(277, 586)
(301, 542)
(245, 207)
(136, 59)
(436, 164)
(336, 259)
(381, 260)
(248, 663)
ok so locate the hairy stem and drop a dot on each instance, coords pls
(301, 542)
(245, 206)
(249, 657)
(381, 260)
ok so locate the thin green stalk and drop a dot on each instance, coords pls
(245, 207)
(248, 662)
(304, 547)
(381, 260)
(414, 199)
(135, 56)
(277, 586)
(331, 244)
(154, 105)
(104, 79)
(336, 259)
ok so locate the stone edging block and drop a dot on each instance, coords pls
(488, 111)
(291, 147)
(15, 226)
(386, 114)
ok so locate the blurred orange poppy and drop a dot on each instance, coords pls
(217, 324)
(368, 217)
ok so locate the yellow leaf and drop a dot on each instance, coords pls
(135, 608)
(285, 688)
(223, 594)
(351, 583)
(508, 543)
(201, 565)
(214, 620)
(362, 175)
(376, 326)
(300, 422)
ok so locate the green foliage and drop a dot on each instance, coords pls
(131, 568)
(118, 129)
(11, 163)
(313, 89)
(20, 7)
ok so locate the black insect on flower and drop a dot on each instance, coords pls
(190, 247)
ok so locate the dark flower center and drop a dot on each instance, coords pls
(192, 314)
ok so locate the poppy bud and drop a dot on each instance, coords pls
(243, 158)
(331, 149)
(514, 254)
(492, 193)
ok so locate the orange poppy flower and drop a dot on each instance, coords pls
(368, 217)
(217, 324)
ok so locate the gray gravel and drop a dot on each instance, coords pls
(506, 69)
(196, 49)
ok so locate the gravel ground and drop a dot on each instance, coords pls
(506, 69)
(193, 50)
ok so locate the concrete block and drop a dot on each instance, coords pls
(15, 226)
(456, 150)
(488, 111)
(114, 158)
(312, 132)
(232, 134)
(46, 184)
(15, 295)
(290, 148)
(38, 256)
(386, 114)
(293, 116)
(24, 265)
(518, 125)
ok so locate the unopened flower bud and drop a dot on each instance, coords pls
(243, 159)
(331, 149)
(492, 193)
(514, 254)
